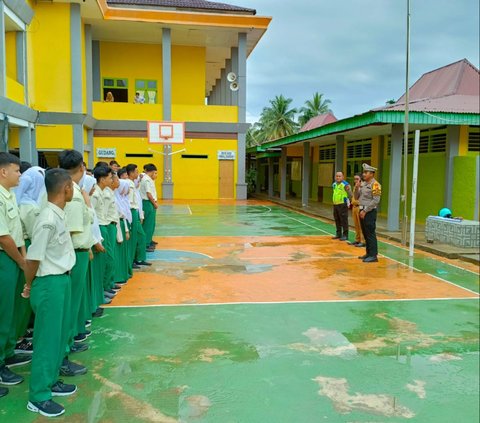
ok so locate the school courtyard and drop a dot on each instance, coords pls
(252, 313)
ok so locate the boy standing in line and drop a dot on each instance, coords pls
(51, 257)
(148, 193)
(341, 195)
(12, 260)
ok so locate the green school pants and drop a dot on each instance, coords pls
(97, 273)
(50, 299)
(112, 234)
(137, 238)
(106, 231)
(121, 257)
(9, 278)
(79, 287)
(149, 221)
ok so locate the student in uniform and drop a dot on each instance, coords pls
(105, 263)
(123, 270)
(51, 257)
(12, 261)
(148, 193)
(137, 252)
(79, 219)
(29, 194)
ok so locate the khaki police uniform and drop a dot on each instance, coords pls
(356, 215)
(147, 186)
(50, 298)
(370, 195)
(10, 274)
(79, 220)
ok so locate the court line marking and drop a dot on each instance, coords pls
(189, 210)
(294, 302)
(399, 262)
(306, 224)
(178, 251)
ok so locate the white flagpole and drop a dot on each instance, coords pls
(416, 149)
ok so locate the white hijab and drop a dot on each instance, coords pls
(88, 183)
(121, 199)
(31, 187)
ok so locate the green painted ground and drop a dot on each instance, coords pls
(279, 363)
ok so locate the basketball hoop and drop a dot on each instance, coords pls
(166, 132)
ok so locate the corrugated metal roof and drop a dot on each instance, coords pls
(318, 121)
(199, 5)
(454, 88)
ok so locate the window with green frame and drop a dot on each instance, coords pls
(431, 141)
(358, 152)
(118, 87)
(147, 89)
(327, 153)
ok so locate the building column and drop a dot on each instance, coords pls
(21, 60)
(167, 184)
(453, 147)
(306, 174)
(28, 150)
(90, 146)
(283, 175)
(234, 68)
(270, 176)
(242, 115)
(395, 179)
(97, 93)
(89, 67)
(76, 72)
(340, 153)
(3, 60)
(258, 164)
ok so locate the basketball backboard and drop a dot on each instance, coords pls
(166, 132)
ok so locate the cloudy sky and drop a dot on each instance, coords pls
(353, 51)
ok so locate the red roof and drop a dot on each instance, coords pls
(454, 88)
(318, 121)
(196, 5)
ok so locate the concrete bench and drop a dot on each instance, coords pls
(461, 233)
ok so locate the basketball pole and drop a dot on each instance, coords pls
(414, 193)
(405, 133)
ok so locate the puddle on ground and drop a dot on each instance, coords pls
(357, 294)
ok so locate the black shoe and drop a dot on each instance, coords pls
(121, 283)
(87, 333)
(336, 237)
(154, 243)
(80, 338)
(18, 360)
(136, 266)
(78, 348)
(343, 238)
(363, 257)
(28, 335)
(109, 295)
(107, 301)
(7, 377)
(3, 392)
(46, 408)
(359, 244)
(98, 312)
(116, 288)
(24, 347)
(69, 368)
(88, 323)
(61, 389)
(150, 250)
(144, 263)
(370, 260)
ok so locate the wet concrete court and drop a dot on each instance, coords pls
(251, 313)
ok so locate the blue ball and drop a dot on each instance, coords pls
(445, 213)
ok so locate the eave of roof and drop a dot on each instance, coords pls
(375, 118)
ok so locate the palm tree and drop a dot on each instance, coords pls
(255, 135)
(278, 120)
(317, 106)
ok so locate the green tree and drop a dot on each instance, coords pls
(278, 120)
(318, 105)
(255, 135)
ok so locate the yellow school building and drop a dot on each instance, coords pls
(185, 61)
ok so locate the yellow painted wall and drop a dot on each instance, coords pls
(11, 54)
(198, 178)
(132, 61)
(202, 113)
(127, 111)
(463, 141)
(49, 58)
(132, 146)
(188, 75)
(375, 151)
(13, 138)
(56, 137)
(15, 91)
(295, 151)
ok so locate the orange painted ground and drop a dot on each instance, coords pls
(275, 269)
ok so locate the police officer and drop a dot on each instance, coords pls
(370, 194)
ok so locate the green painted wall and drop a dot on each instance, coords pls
(464, 177)
(431, 184)
(297, 188)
